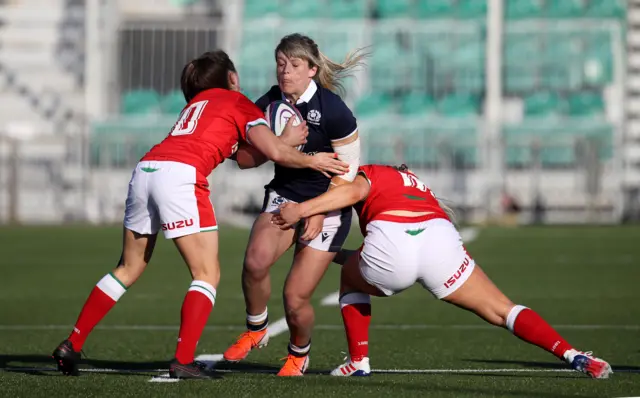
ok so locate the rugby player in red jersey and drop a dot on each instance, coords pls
(408, 238)
(168, 191)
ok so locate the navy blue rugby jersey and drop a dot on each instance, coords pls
(328, 119)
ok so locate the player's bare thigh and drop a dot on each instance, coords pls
(480, 295)
(137, 250)
(267, 243)
(200, 252)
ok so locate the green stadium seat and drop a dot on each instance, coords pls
(395, 8)
(184, 3)
(459, 105)
(520, 79)
(557, 156)
(420, 148)
(471, 9)
(140, 102)
(564, 9)
(517, 156)
(260, 8)
(295, 9)
(606, 9)
(173, 103)
(517, 150)
(543, 104)
(519, 47)
(417, 104)
(389, 75)
(380, 146)
(523, 9)
(122, 142)
(597, 66)
(373, 104)
(586, 104)
(348, 9)
(435, 9)
(520, 70)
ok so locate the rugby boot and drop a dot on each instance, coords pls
(66, 358)
(294, 366)
(353, 368)
(586, 363)
(246, 342)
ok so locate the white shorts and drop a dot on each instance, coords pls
(334, 230)
(170, 196)
(396, 255)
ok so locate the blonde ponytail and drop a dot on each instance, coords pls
(330, 74)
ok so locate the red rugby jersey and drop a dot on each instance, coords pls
(208, 130)
(395, 190)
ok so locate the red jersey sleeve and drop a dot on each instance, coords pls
(247, 115)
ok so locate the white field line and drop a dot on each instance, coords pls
(273, 331)
(164, 377)
(276, 328)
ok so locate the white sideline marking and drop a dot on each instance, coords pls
(163, 328)
(331, 300)
(164, 377)
(468, 234)
(276, 328)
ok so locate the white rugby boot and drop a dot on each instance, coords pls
(352, 368)
(586, 363)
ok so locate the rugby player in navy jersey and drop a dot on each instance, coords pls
(308, 80)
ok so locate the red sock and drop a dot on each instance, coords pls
(196, 308)
(102, 298)
(530, 327)
(356, 315)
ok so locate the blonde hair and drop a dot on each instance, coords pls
(330, 74)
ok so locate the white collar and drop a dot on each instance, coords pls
(307, 95)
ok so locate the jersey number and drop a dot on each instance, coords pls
(189, 119)
(412, 181)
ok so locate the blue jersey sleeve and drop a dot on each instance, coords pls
(340, 121)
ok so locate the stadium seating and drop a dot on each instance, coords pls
(422, 72)
(173, 103)
(394, 8)
(140, 102)
(606, 9)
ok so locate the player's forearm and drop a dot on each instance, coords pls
(277, 151)
(287, 156)
(335, 199)
(249, 157)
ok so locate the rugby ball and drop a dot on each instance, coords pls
(278, 114)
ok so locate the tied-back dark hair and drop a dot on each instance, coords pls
(402, 167)
(210, 70)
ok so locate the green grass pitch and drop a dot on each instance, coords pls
(583, 280)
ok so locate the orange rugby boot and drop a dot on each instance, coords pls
(294, 366)
(246, 342)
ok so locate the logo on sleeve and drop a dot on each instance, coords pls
(314, 116)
